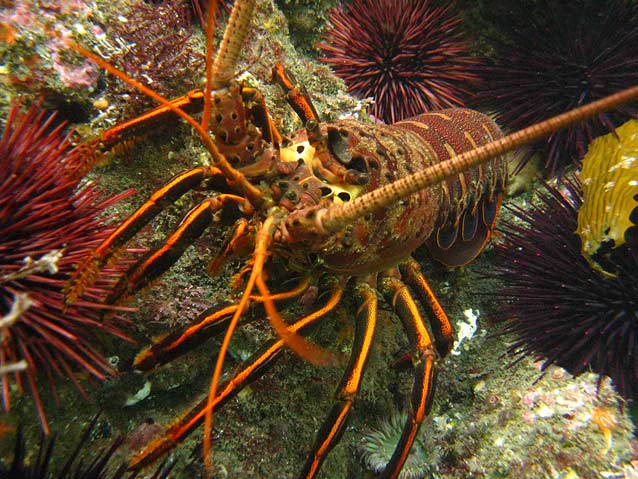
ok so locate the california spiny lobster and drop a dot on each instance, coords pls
(345, 201)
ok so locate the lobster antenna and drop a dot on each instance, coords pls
(210, 30)
(262, 242)
(333, 219)
(223, 69)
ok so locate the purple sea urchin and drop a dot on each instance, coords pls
(160, 50)
(576, 53)
(409, 55)
(558, 307)
(79, 463)
(49, 220)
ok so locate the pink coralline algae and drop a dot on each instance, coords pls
(38, 57)
(82, 75)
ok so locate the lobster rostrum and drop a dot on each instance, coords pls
(345, 201)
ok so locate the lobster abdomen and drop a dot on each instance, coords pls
(471, 200)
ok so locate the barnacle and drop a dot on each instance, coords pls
(608, 217)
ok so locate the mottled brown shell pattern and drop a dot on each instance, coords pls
(454, 219)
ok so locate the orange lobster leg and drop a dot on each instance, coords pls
(210, 323)
(176, 343)
(439, 323)
(296, 96)
(156, 262)
(333, 425)
(167, 194)
(299, 100)
(399, 296)
(191, 102)
(94, 150)
(253, 369)
(237, 242)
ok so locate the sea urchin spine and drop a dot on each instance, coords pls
(410, 56)
(49, 220)
(558, 307)
(578, 52)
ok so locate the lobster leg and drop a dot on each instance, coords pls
(424, 354)
(299, 101)
(251, 370)
(210, 323)
(93, 150)
(167, 194)
(439, 322)
(156, 262)
(333, 425)
(297, 97)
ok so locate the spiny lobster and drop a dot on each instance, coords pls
(345, 201)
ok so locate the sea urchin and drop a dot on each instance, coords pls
(49, 220)
(559, 308)
(409, 55)
(578, 52)
(31, 462)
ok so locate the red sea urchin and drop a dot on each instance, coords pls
(409, 55)
(577, 52)
(558, 307)
(49, 220)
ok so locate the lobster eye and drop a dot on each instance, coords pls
(359, 163)
(338, 145)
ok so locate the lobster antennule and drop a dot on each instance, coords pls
(289, 336)
(330, 220)
(304, 348)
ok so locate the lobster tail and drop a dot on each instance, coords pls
(471, 199)
(458, 241)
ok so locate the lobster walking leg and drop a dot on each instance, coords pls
(93, 151)
(397, 294)
(169, 193)
(210, 323)
(333, 426)
(439, 323)
(299, 101)
(252, 369)
(155, 263)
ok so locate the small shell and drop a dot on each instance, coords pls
(609, 213)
